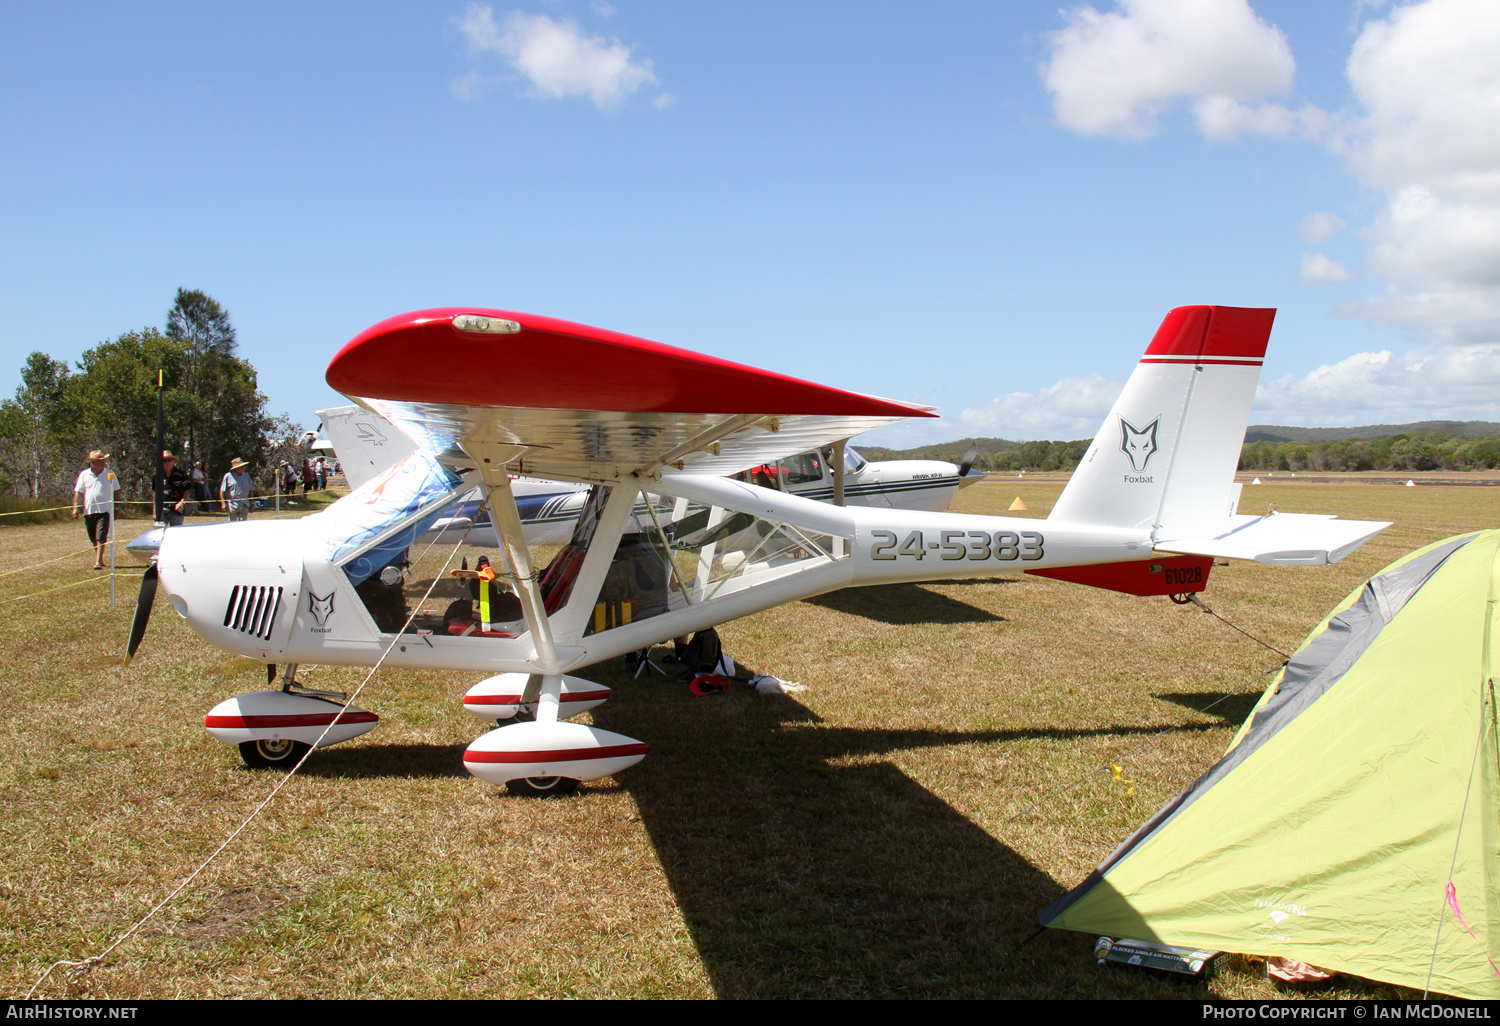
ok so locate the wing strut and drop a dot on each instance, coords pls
(838, 471)
(507, 520)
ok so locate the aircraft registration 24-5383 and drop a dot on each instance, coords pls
(665, 541)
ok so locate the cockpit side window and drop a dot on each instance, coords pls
(366, 529)
(803, 468)
(556, 581)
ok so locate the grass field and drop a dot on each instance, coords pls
(891, 831)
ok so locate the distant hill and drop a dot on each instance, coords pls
(939, 451)
(1309, 436)
(954, 451)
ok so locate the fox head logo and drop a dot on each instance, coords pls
(321, 607)
(1138, 443)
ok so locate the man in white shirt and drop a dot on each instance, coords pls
(95, 491)
(234, 490)
(200, 483)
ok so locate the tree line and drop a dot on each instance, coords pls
(213, 409)
(1421, 450)
(1403, 451)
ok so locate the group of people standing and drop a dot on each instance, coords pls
(98, 488)
(313, 475)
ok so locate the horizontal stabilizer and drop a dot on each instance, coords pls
(1282, 539)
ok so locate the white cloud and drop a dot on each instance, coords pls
(1446, 383)
(1449, 383)
(556, 58)
(1320, 225)
(1115, 73)
(1318, 269)
(1225, 120)
(468, 87)
(1425, 133)
(666, 101)
(1428, 80)
(1071, 408)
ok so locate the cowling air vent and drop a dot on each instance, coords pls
(252, 610)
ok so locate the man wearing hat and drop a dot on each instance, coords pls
(175, 486)
(94, 491)
(234, 490)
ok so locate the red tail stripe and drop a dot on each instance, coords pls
(1199, 361)
(300, 720)
(559, 754)
(1207, 331)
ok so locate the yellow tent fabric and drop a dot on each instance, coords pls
(1366, 780)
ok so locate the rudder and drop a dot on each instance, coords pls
(1165, 456)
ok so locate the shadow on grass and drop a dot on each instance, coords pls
(1227, 708)
(369, 761)
(801, 878)
(903, 604)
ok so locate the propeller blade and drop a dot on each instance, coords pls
(142, 612)
(969, 457)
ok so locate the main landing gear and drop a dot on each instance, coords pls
(542, 787)
(270, 753)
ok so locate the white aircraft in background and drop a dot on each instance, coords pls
(366, 444)
(666, 543)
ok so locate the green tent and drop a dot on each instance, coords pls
(1353, 823)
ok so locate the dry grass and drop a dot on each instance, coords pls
(891, 831)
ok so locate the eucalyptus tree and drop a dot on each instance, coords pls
(220, 386)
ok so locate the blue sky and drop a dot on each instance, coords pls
(986, 207)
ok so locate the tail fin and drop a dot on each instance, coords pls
(1166, 455)
(365, 443)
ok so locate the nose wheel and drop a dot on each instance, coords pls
(541, 787)
(273, 753)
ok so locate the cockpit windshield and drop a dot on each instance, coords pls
(853, 461)
(373, 524)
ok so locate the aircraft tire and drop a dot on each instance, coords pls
(541, 787)
(268, 754)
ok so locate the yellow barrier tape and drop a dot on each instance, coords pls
(76, 584)
(56, 509)
(65, 555)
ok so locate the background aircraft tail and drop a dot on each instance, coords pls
(1165, 456)
(365, 443)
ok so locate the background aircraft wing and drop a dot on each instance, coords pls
(567, 401)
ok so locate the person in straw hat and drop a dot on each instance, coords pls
(175, 485)
(235, 489)
(94, 491)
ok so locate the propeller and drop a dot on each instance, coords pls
(969, 457)
(142, 612)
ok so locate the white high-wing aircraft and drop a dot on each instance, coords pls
(632, 418)
(366, 445)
